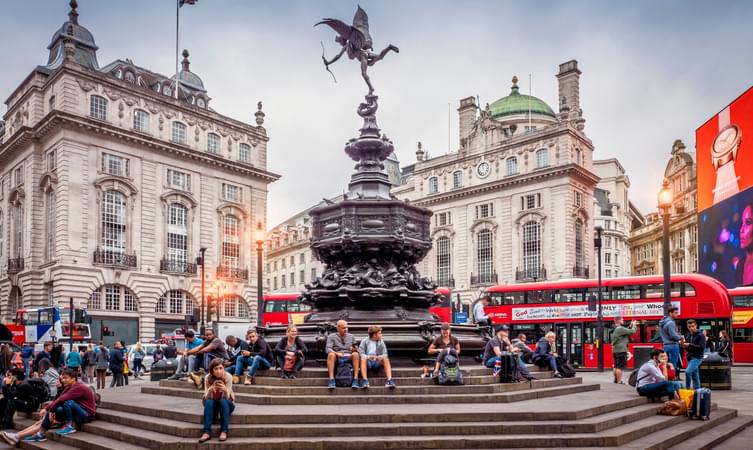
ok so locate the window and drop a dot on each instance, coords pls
(177, 233)
(433, 185)
(608, 273)
(485, 256)
(313, 273)
(531, 249)
(607, 258)
(484, 211)
(98, 107)
(512, 166)
(283, 264)
(231, 192)
(530, 201)
(50, 161)
(175, 302)
(301, 277)
(113, 222)
(457, 179)
(141, 120)
(274, 283)
(49, 241)
(283, 285)
(18, 176)
(292, 278)
(231, 248)
(275, 266)
(608, 242)
(17, 248)
(542, 158)
(242, 306)
(117, 298)
(244, 152)
(213, 143)
(229, 303)
(579, 230)
(443, 261)
(578, 156)
(51, 102)
(302, 258)
(178, 179)
(444, 218)
(292, 260)
(116, 165)
(578, 198)
(179, 133)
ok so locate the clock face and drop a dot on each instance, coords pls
(726, 140)
(483, 169)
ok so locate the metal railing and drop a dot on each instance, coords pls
(114, 258)
(172, 266)
(232, 273)
(446, 282)
(531, 274)
(580, 272)
(487, 278)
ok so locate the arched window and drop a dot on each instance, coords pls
(231, 249)
(15, 301)
(177, 236)
(444, 269)
(579, 230)
(49, 241)
(433, 185)
(542, 158)
(175, 302)
(578, 156)
(113, 226)
(485, 256)
(98, 107)
(17, 249)
(244, 152)
(51, 102)
(129, 77)
(113, 297)
(229, 306)
(179, 133)
(242, 307)
(532, 249)
(457, 179)
(512, 166)
(213, 143)
(141, 120)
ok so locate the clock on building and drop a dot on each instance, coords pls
(483, 169)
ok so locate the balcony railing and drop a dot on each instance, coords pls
(231, 273)
(114, 258)
(180, 267)
(446, 282)
(15, 265)
(486, 278)
(531, 274)
(580, 272)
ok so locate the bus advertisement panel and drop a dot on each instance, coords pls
(742, 324)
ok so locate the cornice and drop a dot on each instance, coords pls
(58, 118)
(277, 252)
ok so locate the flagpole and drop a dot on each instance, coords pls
(177, 28)
(529, 103)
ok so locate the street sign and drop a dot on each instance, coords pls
(461, 317)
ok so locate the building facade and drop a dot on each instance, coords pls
(110, 185)
(645, 241)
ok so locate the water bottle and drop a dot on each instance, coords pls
(497, 367)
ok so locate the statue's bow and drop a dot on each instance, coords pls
(326, 66)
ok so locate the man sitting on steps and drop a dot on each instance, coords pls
(212, 348)
(374, 356)
(235, 347)
(499, 345)
(340, 349)
(257, 356)
(651, 380)
(188, 357)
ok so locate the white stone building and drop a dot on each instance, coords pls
(110, 185)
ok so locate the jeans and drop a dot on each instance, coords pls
(692, 373)
(225, 408)
(550, 360)
(25, 362)
(253, 363)
(189, 366)
(69, 411)
(491, 361)
(445, 352)
(117, 379)
(660, 389)
(208, 357)
(673, 355)
(138, 366)
(298, 365)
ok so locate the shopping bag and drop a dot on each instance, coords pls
(686, 395)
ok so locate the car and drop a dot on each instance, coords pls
(148, 359)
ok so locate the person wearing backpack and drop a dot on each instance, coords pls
(374, 356)
(341, 351)
(445, 344)
(619, 339)
(17, 396)
(651, 379)
(73, 360)
(49, 375)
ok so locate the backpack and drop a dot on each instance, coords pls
(40, 392)
(449, 372)
(565, 368)
(633, 378)
(344, 375)
(508, 372)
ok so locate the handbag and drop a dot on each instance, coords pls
(686, 395)
(673, 408)
(289, 364)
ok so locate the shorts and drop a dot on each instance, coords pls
(374, 365)
(620, 360)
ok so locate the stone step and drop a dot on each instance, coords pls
(47, 445)
(321, 372)
(740, 441)
(619, 436)
(347, 397)
(434, 389)
(193, 430)
(717, 435)
(402, 381)
(79, 440)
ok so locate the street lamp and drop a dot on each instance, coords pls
(201, 260)
(665, 203)
(599, 313)
(259, 236)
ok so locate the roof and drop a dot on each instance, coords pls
(517, 103)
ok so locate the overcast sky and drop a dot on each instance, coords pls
(653, 71)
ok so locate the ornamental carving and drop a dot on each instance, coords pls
(85, 86)
(112, 95)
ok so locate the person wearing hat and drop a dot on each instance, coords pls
(445, 344)
(500, 344)
(479, 314)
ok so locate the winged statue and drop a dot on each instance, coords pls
(356, 40)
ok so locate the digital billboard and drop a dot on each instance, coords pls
(724, 155)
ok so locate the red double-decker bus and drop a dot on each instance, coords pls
(742, 324)
(563, 307)
(284, 308)
(443, 311)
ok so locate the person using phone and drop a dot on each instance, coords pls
(218, 395)
(620, 338)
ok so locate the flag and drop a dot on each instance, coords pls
(186, 2)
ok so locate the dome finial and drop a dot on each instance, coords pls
(514, 81)
(185, 63)
(73, 14)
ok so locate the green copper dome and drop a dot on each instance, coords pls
(517, 103)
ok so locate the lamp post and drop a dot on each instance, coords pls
(260, 235)
(201, 261)
(599, 313)
(665, 203)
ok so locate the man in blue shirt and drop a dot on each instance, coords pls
(193, 343)
(670, 338)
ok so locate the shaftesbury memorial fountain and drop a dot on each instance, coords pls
(370, 241)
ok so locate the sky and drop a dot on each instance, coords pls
(653, 71)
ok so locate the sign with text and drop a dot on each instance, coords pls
(637, 309)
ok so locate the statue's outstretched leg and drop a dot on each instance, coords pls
(364, 66)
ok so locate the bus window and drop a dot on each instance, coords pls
(538, 296)
(303, 307)
(650, 331)
(629, 292)
(569, 295)
(687, 290)
(654, 291)
(296, 306)
(275, 306)
(742, 335)
(507, 298)
(743, 301)
(46, 316)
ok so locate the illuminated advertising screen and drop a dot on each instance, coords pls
(724, 153)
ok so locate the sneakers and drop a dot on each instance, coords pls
(197, 379)
(390, 384)
(496, 371)
(331, 385)
(354, 384)
(36, 437)
(556, 374)
(248, 381)
(67, 429)
(10, 438)
(364, 384)
(236, 379)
